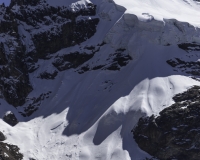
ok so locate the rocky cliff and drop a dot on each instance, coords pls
(174, 134)
(33, 30)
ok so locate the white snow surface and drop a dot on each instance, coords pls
(182, 10)
(86, 118)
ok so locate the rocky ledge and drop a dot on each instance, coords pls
(8, 151)
(175, 133)
(191, 68)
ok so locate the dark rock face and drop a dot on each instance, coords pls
(119, 60)
(14, 80)
(189, 46)
(47, 75)
(62, 27)
(9, 152)
(47, 29)
(189, 67)
(33, 30)
(3, 59)
(34, 103)
(24, 2)
(14, 83)
(69, 34)
(175, 134)
(10, 119)
(2, 136)
(114, 62)
(71, 60)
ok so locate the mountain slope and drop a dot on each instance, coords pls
(91, 70)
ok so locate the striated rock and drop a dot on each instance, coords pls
(10, 118)
(175, 134)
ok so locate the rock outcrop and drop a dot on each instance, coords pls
(9, 151)
(191, 68)
(175, 134)
(2, 136)
(10, 118)
(14, 80)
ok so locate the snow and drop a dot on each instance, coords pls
(182, 10)
(7, 113)
(72, 3)
(6, 155)
(87, 118)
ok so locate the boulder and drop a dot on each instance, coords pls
(10, 118)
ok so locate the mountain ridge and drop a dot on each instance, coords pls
(91, 69)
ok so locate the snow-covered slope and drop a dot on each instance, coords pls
(181, 10)
(87, 112)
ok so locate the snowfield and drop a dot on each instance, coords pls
(90, 116)
(181, 10)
